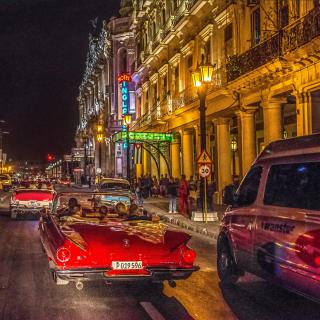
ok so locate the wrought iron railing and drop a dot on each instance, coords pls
(289, 38)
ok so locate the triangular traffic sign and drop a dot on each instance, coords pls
(204, 158)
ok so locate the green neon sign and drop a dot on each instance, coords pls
(143, 136)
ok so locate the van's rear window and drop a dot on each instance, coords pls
(294, 186)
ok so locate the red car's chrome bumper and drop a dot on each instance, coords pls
(155, 274)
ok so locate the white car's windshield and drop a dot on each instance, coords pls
(115, 185)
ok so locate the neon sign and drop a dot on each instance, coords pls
(143, 136)
(124, 77)
(125, 98)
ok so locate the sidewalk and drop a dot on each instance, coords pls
(160, 207)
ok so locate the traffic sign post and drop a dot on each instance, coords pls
(205, 162)
(204, 158)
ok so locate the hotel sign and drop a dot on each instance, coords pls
(124, 80)
(143, 136)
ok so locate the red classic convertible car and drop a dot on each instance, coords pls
(82, 243)
(28, 203)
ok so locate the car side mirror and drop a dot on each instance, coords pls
(229, 197)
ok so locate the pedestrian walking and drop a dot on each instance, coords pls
(138, 192)
(172, 194)
(192, 195)
(183, 196)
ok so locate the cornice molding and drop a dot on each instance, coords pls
(164, 70)
(175, 60)
(188, 48)
(206, 32)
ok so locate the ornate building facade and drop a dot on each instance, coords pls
(94, 103)
(266, 80)
(110, 53)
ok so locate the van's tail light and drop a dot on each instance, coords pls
(188, 256)
(63, 254)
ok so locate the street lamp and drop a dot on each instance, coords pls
(127, 121)
(234, 149)
(1, 146)
(202, 78)
(99, 139)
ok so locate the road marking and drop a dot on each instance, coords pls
(153, 313)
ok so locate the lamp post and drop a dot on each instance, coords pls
(127, 121)
(84, 140)
(234, 149)
(99, 139)
(1, 146)
(202, 79)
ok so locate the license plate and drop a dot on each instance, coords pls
(127, 265)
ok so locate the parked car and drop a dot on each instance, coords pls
(272, 226)
(65, 181)
(118, 190)
(6, 182)
(28, 203)
(83, 245)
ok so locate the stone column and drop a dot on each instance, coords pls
(154, 168)
(187, 153)
(197, 135)
(182, 68)
(303, 109)
(223, 166)
(145, 161)
(272, 118)
(175, 156)
(247, 137)
(139, 170)
(163, 166)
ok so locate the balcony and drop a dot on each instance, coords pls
(286, 40)
(169, 26)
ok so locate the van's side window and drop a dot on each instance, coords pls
(294, 186)
(248, 190)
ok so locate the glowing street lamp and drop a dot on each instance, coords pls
(99, 139)
(234, 149)
(202, 78)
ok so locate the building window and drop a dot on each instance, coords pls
(123, 63)
(164, 86)
(190, 61)
(176, 80)
(284, 13)
(154, 29)
(207, 51)
(163, 13)
(255, 27)
(228, 33)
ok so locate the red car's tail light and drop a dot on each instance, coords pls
(188, 256)
(317, 261)
(13, 198)
(63, 254)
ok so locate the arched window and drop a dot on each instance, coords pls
(153, 29)
(163, 15)
(123, 63)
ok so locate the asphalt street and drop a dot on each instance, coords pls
(27, 290)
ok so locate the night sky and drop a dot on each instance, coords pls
(43, 47)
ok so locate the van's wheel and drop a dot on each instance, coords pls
(58, 281)
(227, 268)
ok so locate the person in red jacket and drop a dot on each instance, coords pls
(183, 196)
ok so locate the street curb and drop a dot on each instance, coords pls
(182, 222)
